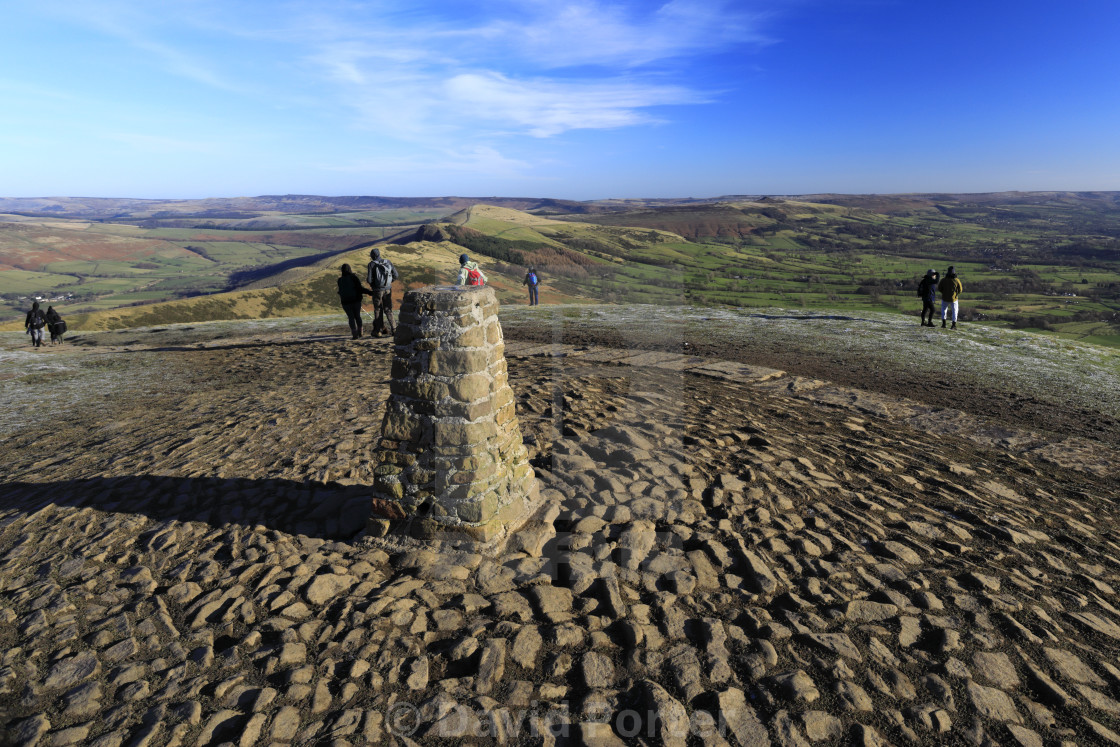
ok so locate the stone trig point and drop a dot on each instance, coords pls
(452, 463)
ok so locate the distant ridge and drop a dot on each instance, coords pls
(110, 208)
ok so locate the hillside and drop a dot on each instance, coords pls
(1018, 270)
(89, 265)
(1042, 261)
(220, 208)
(310, 290)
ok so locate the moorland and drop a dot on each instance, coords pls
(820, 524)
(1044, 261)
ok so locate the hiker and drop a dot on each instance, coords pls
(533, 282)
(380, 275)
(55, 325)
(350, 290)
(469, 274)
(34, 323)
(950, 287)
(927, 291)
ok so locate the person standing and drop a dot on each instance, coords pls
(927, 291)
(55, 325)
(469, 272)
(350, 290)
(33, 324)
(380, 275)
(533, 281)
(950, 287)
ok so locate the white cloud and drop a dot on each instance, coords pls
(586, 32)
(424, 79)
(428, 71)
(549, 107)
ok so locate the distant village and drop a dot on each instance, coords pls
(44, 298)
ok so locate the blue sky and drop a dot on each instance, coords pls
(579, 99)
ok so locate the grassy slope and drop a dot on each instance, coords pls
(109, 265)
(841, 255)
(811, 256)
(1016, 261)
(311, 290)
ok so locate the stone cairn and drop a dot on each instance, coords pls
(452, 463)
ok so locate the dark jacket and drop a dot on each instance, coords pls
(390, 274)
(927, 289)
(350, 289)
(35, 319)
(53, 317)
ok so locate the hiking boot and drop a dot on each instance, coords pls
(942, 324)
(954, 326)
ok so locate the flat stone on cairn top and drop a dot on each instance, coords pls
(452, 463)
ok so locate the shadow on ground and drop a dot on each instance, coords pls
(329, 511)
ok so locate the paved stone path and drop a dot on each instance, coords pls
(731, 556)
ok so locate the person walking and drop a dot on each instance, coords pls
(33, 324)
(533, 281)
(927, 291)
(350, 290)
(380, 275)
(55, 325)
(950, 287)
(469, 273)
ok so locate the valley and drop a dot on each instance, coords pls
(1047, 262)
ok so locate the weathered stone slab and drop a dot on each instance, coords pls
(739, 371)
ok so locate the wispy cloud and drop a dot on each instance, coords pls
(543, 107)
(423, 72)
(531, 68)
(586, 32)
(149, 29)
(480, 160)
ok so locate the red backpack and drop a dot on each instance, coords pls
(474, 277)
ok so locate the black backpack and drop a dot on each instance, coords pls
(37, 319)
(378, 275)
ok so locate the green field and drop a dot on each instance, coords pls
(106, 265)
(20, 282)
(1042, 261)
(1013, 276)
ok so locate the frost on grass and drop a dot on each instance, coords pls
(37, 389)
(36, 386)
(1054, 370)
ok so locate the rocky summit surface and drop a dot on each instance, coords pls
(730, 555)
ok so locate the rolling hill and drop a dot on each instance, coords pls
(1046, 261)
(304, 291)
